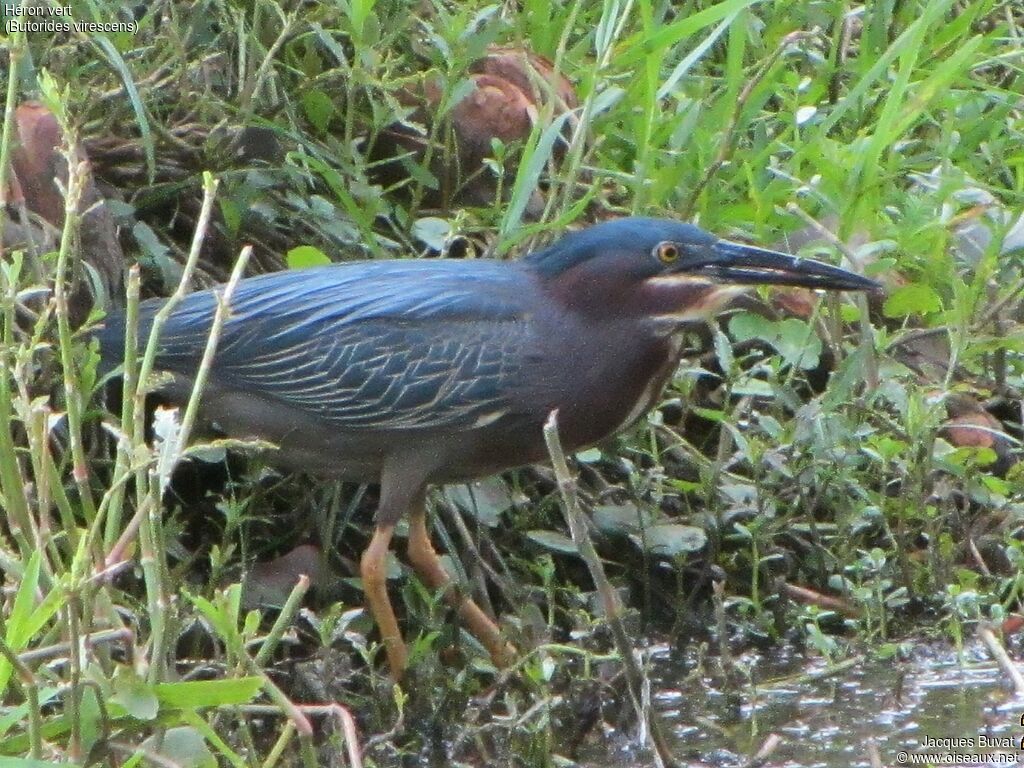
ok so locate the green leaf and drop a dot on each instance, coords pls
(621, 519)
(723, 349)
(149, 242)
(358, 12)
(711, 414)
(797, 342)
(671, 539)
(184, 747)
(487, 500)
(232, 214)
(91, 718)
(134, 694)
(27, 619)
(319, 109)
(645, 44)
(208, 693)
(794, 340)
(18, 715)
(849, 313)
(554, 541)
(433, 231)
(705, 44)
(589, 456)
(305, 256)
(531, 165)
(746, 325)
(915, 299)
(24, 604)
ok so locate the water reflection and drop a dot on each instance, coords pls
(826, 721)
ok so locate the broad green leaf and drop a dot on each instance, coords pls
(134, 694)
(914, 299)
(671, 539)
(319, 109)
(487, 500)
(589, 456)
(305, 256)
(746, 325)
(432, 230)
(723, 349)
(208, 693)
(797, 343)
(794, 340)
(554, 541)
(621, 519)
(184, 747)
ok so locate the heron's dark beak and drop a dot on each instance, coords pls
(742, 264)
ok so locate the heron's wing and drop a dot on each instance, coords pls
(381, 374)
(378, 345)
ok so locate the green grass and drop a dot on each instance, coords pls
(896, 126)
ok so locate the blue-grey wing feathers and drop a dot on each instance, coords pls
(374, 345)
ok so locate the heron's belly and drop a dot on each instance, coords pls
(304, 443)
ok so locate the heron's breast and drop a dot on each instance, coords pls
(611, 388)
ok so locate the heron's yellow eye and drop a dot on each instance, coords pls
(666, 252)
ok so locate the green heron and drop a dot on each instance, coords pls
(425, 372)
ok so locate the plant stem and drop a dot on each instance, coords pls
(612, 606)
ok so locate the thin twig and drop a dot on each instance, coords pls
(203, 372)
(123, 462)
(609, 597)
(828, 602)
(77, 171)
(346, 723)
(767, 749)
(58, 650)
(1002, 658)
(149, 519)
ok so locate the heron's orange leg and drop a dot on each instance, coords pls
(427, 565)
(373, 569)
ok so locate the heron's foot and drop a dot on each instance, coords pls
(428, 567)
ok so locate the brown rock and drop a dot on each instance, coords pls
(971, 426)
(507, 97)
(39, 172)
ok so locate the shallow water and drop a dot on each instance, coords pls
(834, 720)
